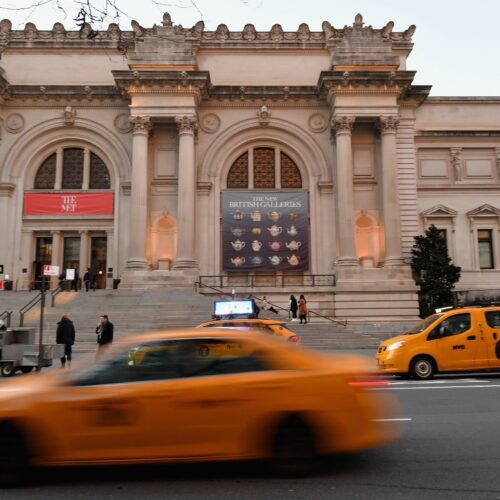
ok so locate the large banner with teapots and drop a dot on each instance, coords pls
(264, 231)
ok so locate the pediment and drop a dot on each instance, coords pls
(484, 211)
(439, 211)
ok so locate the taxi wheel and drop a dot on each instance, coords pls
(7, 370)
(294, 449)
(13, 457)
(422, 368)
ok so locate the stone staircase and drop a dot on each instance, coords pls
(135, 311)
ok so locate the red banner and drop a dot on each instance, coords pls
(68, 204)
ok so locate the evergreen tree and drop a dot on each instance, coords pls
(433, 271)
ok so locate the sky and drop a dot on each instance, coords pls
(457, 42)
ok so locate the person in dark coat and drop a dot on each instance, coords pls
(293, 306)
(74, 283)
(104, 333)
(65, 334)
(86, 279)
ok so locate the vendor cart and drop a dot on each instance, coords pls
(18, 351)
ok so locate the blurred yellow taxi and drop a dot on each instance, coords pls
(457, 340)
(193, 395)
(268, 326)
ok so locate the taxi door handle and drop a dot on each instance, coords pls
(494, 335)
(471, 337)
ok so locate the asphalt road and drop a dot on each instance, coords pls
(450, 449)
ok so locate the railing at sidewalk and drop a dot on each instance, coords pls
(6, 317)
(310, 312)
(54, 294)
(268, 280)
(27, 307)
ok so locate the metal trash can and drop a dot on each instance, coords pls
(116, 282)
(8, 285)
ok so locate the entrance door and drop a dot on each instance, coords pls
(98, 252)
(43, 257)
(71, 254)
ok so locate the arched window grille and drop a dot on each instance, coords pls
(46, 176)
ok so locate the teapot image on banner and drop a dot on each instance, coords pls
(256, 216)
(275, 260)
(257, 260)
(275, 245)
(237, 231)
(256, 245)
(293, 245)
(293, 260)
(292, 231)
(238, 261)
(238, 245)
(275, 230)
(238, 215)
(274, 216)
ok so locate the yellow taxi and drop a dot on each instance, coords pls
(269, 326)
(457, 340)
(193, 395)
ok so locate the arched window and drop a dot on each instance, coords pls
(99, 174)
(79, 169)
(46, 175)
(238, 174)
(263, 168)
(72, 168)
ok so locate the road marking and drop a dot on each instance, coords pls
(392, 419)
(454, 381)
(437, 387)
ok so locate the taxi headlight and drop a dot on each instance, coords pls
(396, 345)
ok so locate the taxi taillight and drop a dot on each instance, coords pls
(294, 338)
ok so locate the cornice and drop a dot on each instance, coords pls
(124, 41)
(457, 133)
(7, 189)
(183, 82)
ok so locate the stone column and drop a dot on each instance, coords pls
(59, 168)
(86, 168)
(110, 245)
(344, 193)
(56, 260)
(139, 194)
(186, 194)
(390, 195)
(84, 252)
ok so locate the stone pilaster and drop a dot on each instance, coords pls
(84, 251)
(344, 195)
(186, 194)
(139, 194)
(390, 195)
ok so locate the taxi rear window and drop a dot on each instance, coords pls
(493, 318)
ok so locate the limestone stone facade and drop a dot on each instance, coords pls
(166, 119)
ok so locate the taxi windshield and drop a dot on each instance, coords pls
(420, 327)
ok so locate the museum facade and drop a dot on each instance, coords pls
(269, 160)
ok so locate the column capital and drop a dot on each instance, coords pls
(388, 124)
(342, 125)
(142, 124)
(186, 124)
(55, 233)
(83, 232)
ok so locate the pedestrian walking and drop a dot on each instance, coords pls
(303, 309)
(264, 305)
(74, 282)
(65, 334)
(293, 306)
(255, 308)
(104, 333)
(86, 279)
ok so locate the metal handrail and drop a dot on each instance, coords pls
(276, 306)
(32, 303)
(54, 294)
(6, 315)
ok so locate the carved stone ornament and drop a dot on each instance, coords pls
(317, 123)
(276, 33)
(343, 124)
(69, 115)
(186, 124)
(498, 160)
(222, 32)
(14, 123)
(123, 124)
(142, 124)
(264, 115)
(249, 32)
(210, 123)
(456, 161)
(388, 124)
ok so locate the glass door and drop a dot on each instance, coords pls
(98, 252)
(43, 256)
